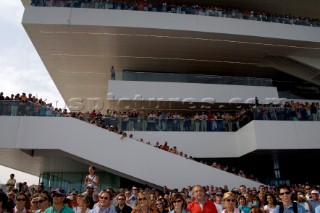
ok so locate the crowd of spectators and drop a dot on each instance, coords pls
(195, 9)
(128, 200)
(27, 105)
(120, 122)
(217, 119)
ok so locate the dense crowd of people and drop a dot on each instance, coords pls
(27, 105)
(182, 8)
(134, 120)
(297, 198)
(232, 119)
(217, 119)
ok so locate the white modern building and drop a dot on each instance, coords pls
(178, 62)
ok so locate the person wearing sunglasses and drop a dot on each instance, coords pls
(160, 204)
(287, 206)
(122, 207)
(104, 204)
(314, 201)
(34, 203)
(230, 204)
(21, 200)
(200, 203)
(58, 206)
(43, 203)
(143, 204)
(178, 204)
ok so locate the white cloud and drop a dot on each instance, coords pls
(21, 69)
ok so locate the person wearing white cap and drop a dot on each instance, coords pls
(89, 194)
(314, 201)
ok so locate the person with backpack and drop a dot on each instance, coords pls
(287, 205)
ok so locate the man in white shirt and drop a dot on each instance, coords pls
(11, 183)
(218, 201)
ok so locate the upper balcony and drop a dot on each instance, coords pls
(79, 45)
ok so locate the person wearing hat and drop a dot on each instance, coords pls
(89, 194)
(73, 197)
(58, 206)
(314, 201)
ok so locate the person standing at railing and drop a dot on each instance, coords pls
(22, 104)
(15, 105)
(272, 112)
(318, 112)
(113, 73)
(176, 118)
(1, 102)
(125, 121)
(197, 122)
(313, 110)
(203, 118)
(144, 118)
(181, 122)
(163, 120)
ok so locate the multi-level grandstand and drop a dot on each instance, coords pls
(184, 57)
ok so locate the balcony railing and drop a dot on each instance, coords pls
(19, 108)
(181, 8)
(219, 121)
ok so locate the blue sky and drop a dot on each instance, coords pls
(21, 69)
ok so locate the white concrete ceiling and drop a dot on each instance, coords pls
(79, 57)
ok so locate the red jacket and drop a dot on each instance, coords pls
(208, 207)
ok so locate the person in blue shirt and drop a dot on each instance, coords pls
(314, 201)
(104, 205)
(284, 192)
(243, 204)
